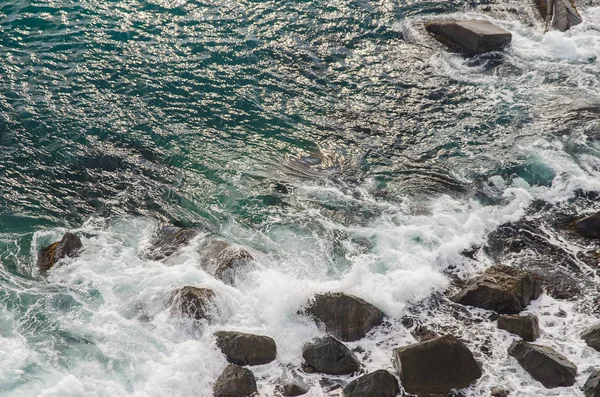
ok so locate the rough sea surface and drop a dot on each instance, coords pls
(338, 142)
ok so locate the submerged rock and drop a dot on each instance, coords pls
(544, 364)
(168, 240)
(246, 349)
(346, 317)
(591, 336)
(591, 388)
(500, 288)
(223, 260)
(588, 226)
(193, 302)
(235, 381)
(330, 356)
(527, 327)
(471, 36)
(436, 366)
(68, 246)
(376, 384)
(558, 14)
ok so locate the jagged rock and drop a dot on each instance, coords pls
(591, 336)
(436, 366)
(591, 388)
(471, 36)
(235, 381)
(246, 349)
(588, 226)
(197, 303)
(68, 246)
(329, 356)
(223, 260)
(544, 364)
(559, 14)
(346, 317)
(168, 240)
(527, 327)
(500, 288)
(376, 384)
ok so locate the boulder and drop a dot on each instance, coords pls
(436, 366)
(470, 36)
(503, 289)
(527, 327)
(558, 14)
(588, 226)
(168, 240)
(329, 356)
(235, 381)
(376, 384)
(346, 317)
(591, 336)
(292, 389)
(591, 388)
(68, 246)
(193, 302)
(223, 260)
(544, 364)
(246, 349)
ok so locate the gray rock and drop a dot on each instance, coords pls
(470, 36)
(330, 356)
(544, 364)
(292, 389)
(588, 226)
(376, 384)
(591, 388)
(499, 392)
(68, 246)
(346, 317)
(223, 260)
(436, 366)
(168, 240)
(558, 14)
(246, 349)
(527, 327)
(501, 288)
(591, 336)
(193, 302)
(235, 381)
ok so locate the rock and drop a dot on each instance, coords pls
(421, 333)
(68, 246)
(591, 336)
(544, 364)
(527, 327)
(591, 388)
(330, 356)
(235, 381)
(168, 240)
(470, 36)
(436, 366)
(588, 226)
(558, 14)
(223, 260)
(292, 389)
(346, 317)
(246, 349)
(193, 302)
(499, 392)
(376, 384)
(501, 288)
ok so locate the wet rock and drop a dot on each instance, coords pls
(527, 327)
(193, 302)
(376, 384)
(330, 356)
(500, 288)
(292, 389)
(591, 336)
(558, 14)
(246, 349)
(223, 260)
(235, 381)
(436, 366)
(168, 240)
(499, 392)
(68, 246)
(544, 364)
(422, 333)
(470, 36)
(588, 226)
(346, 317)
(591, 388)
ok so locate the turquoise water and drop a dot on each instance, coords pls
(336, 140)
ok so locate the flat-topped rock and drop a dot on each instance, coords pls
(471, 36)
(68, 246)
(246, 349)
(527, 327)
(544, 364)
